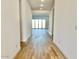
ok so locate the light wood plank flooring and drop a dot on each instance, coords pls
(40, 46)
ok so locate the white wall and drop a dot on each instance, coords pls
(51, 20)
(65, 27)
(10, 39)
(26, 17)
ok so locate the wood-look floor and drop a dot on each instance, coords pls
(40, 46)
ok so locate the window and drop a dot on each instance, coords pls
(43, 23)
(38, 23)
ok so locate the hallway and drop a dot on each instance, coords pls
(40, 47)
(38, 29)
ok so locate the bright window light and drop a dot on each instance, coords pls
(36, 23)
(43, 23)
(40, 26)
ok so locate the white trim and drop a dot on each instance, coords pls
(26, 39)
(50, 33)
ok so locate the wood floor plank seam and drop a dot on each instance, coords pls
(40, 46)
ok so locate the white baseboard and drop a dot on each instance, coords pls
(26, 39)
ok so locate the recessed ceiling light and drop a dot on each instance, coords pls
(42, 0)
(41, 5)
(40, 8)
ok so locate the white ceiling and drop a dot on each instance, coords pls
(39, 12)
(35, 4)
